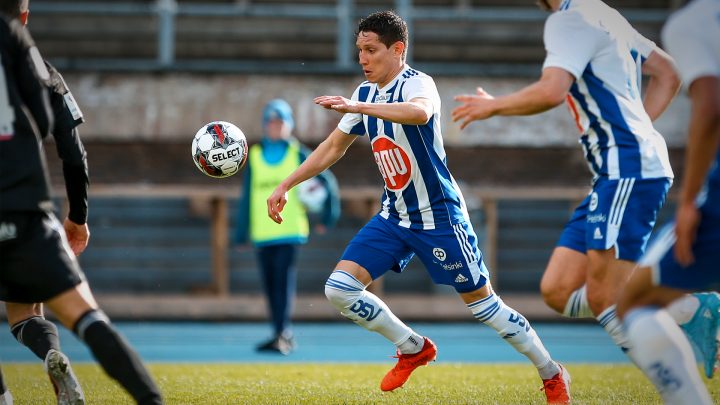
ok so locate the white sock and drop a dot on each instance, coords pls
(683, 309)
(516, 330)
(664, 354)
(364, 308)
(612, 325)
(577, 305)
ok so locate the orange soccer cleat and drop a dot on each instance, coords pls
(557, 389)
(407, 363)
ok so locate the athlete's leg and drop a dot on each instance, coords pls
(31, 329)
(77, 310)
(660, 348)
(346, 290)
(563, 283)
(606, 278)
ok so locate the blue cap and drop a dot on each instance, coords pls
(278, 109)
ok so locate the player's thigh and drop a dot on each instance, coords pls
(378, 247)
(606, 277)
(69, 306)
(17, 312)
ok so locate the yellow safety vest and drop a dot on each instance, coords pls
(264, 177)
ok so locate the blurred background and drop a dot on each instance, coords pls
(148, 73)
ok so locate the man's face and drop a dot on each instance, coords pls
(379, 62)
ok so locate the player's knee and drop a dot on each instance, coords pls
(554, 296)
(342, 290)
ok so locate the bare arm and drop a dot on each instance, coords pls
(702, 147)
(544, 94)
(417, 111)
(326, 154)
(663, 85)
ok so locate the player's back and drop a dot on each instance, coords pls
(618, 134)
(24, 118)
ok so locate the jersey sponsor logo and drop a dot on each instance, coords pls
(593, 201)
(382, 98)
(461, 279)
(439, 254)
(7, 231)
(452, 266)
(393, 162)
(593, 219)
(365, 310)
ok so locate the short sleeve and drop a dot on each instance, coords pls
(691, 50)
(352, 123)
(421, 86)
(570, 42)
(643, 45)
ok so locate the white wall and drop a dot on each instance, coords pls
(173, 106)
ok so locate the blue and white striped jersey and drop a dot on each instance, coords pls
(420, 192)
(604, 52)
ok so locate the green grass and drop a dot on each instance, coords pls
(346, 384)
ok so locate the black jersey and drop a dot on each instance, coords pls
(25, 118)
(69, 146)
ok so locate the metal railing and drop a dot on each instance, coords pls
(343, 12)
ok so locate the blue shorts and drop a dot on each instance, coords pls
(450, 254)
(704, 272)
(616, 214)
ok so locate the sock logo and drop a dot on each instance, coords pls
(664, 377)
(365, 310)
(518, 319)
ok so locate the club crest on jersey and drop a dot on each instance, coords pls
(393, 163)
(593, 201)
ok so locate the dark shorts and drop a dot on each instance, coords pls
(36, 263)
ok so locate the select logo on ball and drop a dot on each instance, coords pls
(393, 162)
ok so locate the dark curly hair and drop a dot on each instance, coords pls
(388, 26)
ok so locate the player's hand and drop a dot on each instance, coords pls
(337, 103)
(473, 107)
(276, 203)
(687, 219)
(77, 236)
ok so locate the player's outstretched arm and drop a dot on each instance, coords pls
(417, 111)
(663, 85)
(324, 156)
(702, 147)
(538, 97)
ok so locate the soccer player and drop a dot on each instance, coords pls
(38, 264)
(684, 257)
(594, 63)
(423, 212)
(27, 321)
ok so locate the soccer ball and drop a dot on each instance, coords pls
(219, 149)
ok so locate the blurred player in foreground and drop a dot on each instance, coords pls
(27, 321)
(39, 265)
(277, 155)
(594, 62)
(423, 212)
(685, 256)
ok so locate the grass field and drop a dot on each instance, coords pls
(346, 384)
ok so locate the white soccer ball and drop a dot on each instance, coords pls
(219, 149)
(312, 194)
